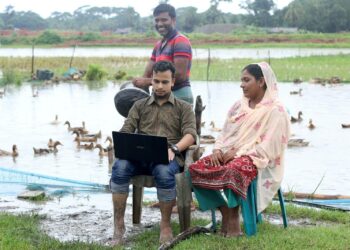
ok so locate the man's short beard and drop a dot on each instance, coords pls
(164, 97)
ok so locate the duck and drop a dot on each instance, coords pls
(14, 152)
(35, 92)
(317, 80)
(51, 144)
(80, 130)
(207, 139)
(297, 143)
(334, 80)
(213, 128)
(345, 125)
(97, 135)
(298, 119)
(297, 81)
(311, 125)
(2, 92)
(85, 146)
(103, 151)
(84, 138)
(43, 151)
(298, 92)
(110, 145)
(56, 121)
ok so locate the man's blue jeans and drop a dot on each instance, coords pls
(164, 176)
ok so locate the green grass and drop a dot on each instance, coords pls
(246, 37)
(286, 69)
(22, 232)
(298, 212)
(331, 232)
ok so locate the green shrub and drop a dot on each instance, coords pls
(95, 73)
(10, 76)
(7, 40)
(89, 37)
(49, 37)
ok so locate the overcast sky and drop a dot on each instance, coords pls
(143, 7)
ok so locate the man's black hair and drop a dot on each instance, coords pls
(164, 7)
(162, 66)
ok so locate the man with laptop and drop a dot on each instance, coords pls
(162, 115)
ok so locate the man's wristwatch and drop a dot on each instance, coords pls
(175, 149)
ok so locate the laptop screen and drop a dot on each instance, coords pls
(140, 147)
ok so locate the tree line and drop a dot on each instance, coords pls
(311, 15)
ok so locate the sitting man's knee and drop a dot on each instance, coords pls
(122, 171)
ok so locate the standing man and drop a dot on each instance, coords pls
(173, 47)
(164, 115)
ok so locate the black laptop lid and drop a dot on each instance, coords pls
(140, 147)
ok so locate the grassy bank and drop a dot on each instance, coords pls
(320, 229)
(286, 69)
(22, 232)
(242, 38)
(323, 230)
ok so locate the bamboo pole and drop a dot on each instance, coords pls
(208, 64)
(32, 72)
(71, 59)
(315, 196)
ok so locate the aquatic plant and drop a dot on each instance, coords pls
(10, 76)
(95, 72)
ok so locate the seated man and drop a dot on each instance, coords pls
(164, 115)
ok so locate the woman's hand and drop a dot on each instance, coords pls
(229, 155)
(216, 157)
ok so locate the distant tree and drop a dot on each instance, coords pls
(295, 14)
(187, 18)
(319, 15)
(213, 15)
(9, 12)
(28, 20)
(260, 10)
(216, 2)
(2, 25)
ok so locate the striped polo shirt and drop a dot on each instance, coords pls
(174, 45)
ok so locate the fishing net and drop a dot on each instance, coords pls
(55, 185)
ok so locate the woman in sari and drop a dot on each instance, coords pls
(250, 146)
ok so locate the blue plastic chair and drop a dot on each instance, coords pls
(249, 211)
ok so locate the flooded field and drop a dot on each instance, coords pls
(25, 121)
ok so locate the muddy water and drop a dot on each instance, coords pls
(25, 121)
(197, 53)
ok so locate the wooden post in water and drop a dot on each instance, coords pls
(71, 59)
(208, 64)
(32, 72)
(198, 109)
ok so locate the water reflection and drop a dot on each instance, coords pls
(25, 121)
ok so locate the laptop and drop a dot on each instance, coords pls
(140, 147)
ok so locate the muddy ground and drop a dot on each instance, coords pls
(88, 218)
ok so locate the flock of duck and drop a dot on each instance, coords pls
(83, 139)
(293, 142)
